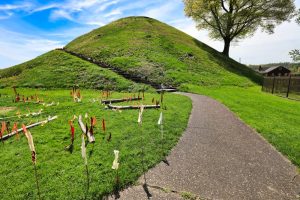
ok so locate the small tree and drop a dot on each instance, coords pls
(237, 19)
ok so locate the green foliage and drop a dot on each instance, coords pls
(295, 55)
(57, 69)
(149, 48)
(275, 118)
(62, 174)
(298, 17)
(229, 19)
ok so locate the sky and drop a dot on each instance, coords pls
(31, 28)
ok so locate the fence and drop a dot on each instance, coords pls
(288, 86)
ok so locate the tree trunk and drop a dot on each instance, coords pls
(226, 46)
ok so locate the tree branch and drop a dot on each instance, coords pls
(223, 6)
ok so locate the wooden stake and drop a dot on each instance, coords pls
(87, 178)
(37, 181)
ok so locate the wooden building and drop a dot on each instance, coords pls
(275, 71)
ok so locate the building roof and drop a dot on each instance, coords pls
(272, 68)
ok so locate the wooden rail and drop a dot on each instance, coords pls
(5, 137)
(110, 106)
(110, 101)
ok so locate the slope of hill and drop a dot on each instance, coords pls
(160, 53)
(57, 69)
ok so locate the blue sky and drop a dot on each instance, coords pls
(30, 28)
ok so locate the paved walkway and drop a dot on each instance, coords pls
(219, 157)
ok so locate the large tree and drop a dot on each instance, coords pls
(237, 19)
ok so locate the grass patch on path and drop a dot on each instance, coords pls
(275, 118)
(61, 174)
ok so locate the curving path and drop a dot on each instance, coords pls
(219, 157)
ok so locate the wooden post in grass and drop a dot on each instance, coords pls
(140, 122)
(273, 86)
(33, 156)
(289, 86)
(83, 154)
(160, 121)
(37, 181)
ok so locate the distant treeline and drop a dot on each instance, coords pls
(294, 67)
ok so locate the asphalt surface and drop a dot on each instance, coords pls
(219, 157)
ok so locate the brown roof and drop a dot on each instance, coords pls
(272, 68)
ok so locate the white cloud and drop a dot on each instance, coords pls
(95, 23)
(113, 13)
(107, 5)
(21, 6)
(78, 5)
(60, 14)
(46, 7)
(163, 11)
(18, 48)
(6, 15)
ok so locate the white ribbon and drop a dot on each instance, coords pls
(30, 140)
(115, 163)
(140, 119)
(160, 120)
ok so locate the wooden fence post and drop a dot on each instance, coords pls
(273, 85)
(288, 89)
(262, 87)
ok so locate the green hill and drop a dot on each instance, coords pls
(138, 48)
(57, 69)
(156, 51)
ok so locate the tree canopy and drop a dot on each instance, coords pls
(298, 17)
(237, 19)
(295, 54)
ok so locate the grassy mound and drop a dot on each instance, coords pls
(57, 69)
(160, 53)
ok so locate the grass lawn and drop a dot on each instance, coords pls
(62, 174)
(275, 118)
